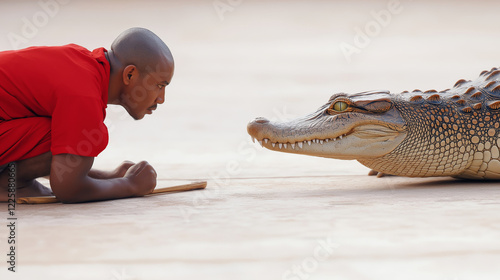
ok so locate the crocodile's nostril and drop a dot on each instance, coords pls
(261, 120)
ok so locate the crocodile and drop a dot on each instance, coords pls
(453, 132)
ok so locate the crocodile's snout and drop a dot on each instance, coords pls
(255, 126)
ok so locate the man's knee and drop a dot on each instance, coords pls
(24, 138)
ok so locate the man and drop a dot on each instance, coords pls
(52, 108)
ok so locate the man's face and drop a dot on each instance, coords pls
(146, 90)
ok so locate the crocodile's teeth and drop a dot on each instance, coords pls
(321, 142)
(326, 140)
(284, 145)
(260, 142)
(280, 145)
(309, 142)
(300, 145)
(274, 144)
(293, 146)
(253, 139)
(266, 140)
(340, 137)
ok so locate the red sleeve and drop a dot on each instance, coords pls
(78, 126)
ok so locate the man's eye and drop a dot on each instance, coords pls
(161, 86)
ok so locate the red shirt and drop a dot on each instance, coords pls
(68, 84)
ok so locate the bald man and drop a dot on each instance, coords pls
(52, 110)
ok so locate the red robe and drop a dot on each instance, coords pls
(53, 99)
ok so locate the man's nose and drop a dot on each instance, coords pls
(161, 98)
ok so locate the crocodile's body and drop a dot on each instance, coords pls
(417, 134)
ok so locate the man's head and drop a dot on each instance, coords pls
(141, 67)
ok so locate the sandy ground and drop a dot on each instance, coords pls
(265, 215)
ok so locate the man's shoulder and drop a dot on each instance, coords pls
(48, 49)
(52, 52)
(70, 48)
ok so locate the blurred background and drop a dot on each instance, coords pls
(240, 59)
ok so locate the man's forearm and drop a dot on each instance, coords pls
(90, 189)
(100, 174)
(116, 173)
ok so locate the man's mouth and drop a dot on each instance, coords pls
(152, 108)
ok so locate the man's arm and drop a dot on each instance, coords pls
(71, 183)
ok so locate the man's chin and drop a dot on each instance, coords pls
(137, 116)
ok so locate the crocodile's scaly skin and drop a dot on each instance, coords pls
(464, 132)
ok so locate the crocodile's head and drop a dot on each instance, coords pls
(361, 126)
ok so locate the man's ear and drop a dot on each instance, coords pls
(129, 73)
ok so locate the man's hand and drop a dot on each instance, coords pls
(142, 176)
(122, 169)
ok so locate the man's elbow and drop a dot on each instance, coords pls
(69, 200)
(67, 192)
(70, 184)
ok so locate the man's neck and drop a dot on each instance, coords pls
(114, 79)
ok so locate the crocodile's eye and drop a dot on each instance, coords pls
(340, 106)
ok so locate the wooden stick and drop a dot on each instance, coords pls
(178, 188)
(37, 200)
(181, 188)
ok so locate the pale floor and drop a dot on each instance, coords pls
(266, 215)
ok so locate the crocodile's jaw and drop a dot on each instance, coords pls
(354, 145)
(353, 136)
